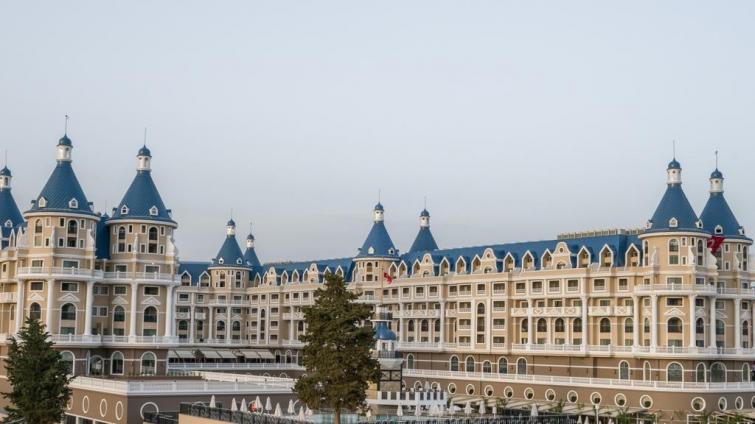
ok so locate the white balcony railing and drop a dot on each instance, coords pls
(8, 297)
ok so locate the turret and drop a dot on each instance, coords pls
(674, 172)
(64, 149)
(230, 228)
(674, 212)
(142, 200)
(143, 159)
(378, 213)
(716, 182)
(424, 240)
(5, 177)
(717, 217)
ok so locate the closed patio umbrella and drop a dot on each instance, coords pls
(234, 407)
(268, 405)
(243, 406)
(257, 404)
(482, 410)
(533, 413)
(301, 416)
(399, 411)
(212, 401)
(291, 410)
(278, 412)
(468, 408)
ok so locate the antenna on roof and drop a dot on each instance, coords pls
(716, 158)
(145, 136)
(6, 158)
(65, 129)
(250, 227)
(378, 195)
(425, 203)
(673, 146)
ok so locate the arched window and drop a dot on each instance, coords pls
(674, 372)
(700, 326)
(717, 373)
(95, 365)
(559, 324)
(150, 314)
(116, 363)
(424, 325)
(152, 247)
(68, 359)
(148, 364)
(674, 325)
(68, 312)
(410, 361)
(119, 314)
(469, 364)
(646, 326)
(542, 325)
(673, 252)
(454, 364)
(720, 328)
(35, 311)
(745, 372)
(700, 372)
(647, 374)
(521, 366)
(487, 367)
(436, 325)
(38, 227)
(72, 232)
(605, 325)
(577, 324)
(623, 370)
(480, 309)
(525, 325)
(236, 326)
(503, 366)
(410, 325)
(628, 326)
(220, 326)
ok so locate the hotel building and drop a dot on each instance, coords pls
(650, 318)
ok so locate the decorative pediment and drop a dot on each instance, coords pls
(36, 297)
(151, 301)
(674, 312)
(68, 297)
(120, 300)
(721, 315)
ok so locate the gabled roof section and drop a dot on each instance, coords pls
(195, 270)
(251, 259)
(424, 241)
(61, 188)
(378, 243)
(143, 200)
(718, 213)
(229, 254)
(673, 205)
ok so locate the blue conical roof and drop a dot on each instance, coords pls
(378, 243)
(674, 204)
(717, 212)
(424, 241)
(61, 187)
(141, 196)
(382, 332)
(230, 253)
(251, 259)
(10, 216)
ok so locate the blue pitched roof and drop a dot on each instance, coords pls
(320, 264)
(9, 212)
(380, 242)
(140, 197)
(674, 204)
(382, 332)
(717, 212)
(424, 241)
(230, 253)
(102, 241)
(195, 270)
(251, 259)
(61, 187)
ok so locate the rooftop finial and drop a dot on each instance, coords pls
(145, 136)
(6, 158)
(673, 148)
(379, 200)
(65, 128)
(425, 207)
(716, 158)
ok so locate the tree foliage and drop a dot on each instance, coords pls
(38, 377)
(337, 351)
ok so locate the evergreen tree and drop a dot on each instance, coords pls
(37, 376)
(337, 351)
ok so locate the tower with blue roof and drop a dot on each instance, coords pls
(377, 252)
(424, 242)
(250, 256)
(10, 216)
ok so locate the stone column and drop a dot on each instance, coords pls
(585, 323)
(192, 324)
(210, 323)
(88, 309)
(132, 317)
(259, 312)
(401, 336)
(737, 324)
(20, 304)
(637, 321)
(654, 321)
(752, 326)
(442, 322)
(169, 307)
(691, 320)
(49, 309)
(712, 318)
(530, 325)
(228, 324)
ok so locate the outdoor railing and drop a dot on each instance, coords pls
(238, 417)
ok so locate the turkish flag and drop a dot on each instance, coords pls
(714, 243)
(387, 277)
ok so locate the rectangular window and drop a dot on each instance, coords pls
(572, 285)
(623, 284)
(599, 285)
(101, 290)
(674, 280)
(119, 290)
(36, 286)
(37, 263)
(673, 301)
(151, 269)
(69, 287)
(151, 290)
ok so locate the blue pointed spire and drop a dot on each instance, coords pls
(717, 216)
(250, 256)
(674, 212)
(378, 242)
(230, 253)
(424, 241)
(10, 216)
(142, 199)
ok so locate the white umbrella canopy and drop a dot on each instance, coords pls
(610, 421)
(278, 412)
(257, 403)
(243, 406)
(291, 410)
(495, 410)
(268, 404)
(579, 420)
(301, 416)
(533, 413)
(482, 410)
(399, 411)
(212, 401)
(310, 412)
(417, 411)
(587, 420)
(234, 407)
(427, 386)
(468, 408)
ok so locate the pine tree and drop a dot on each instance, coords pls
(38, 378)
(337, 351)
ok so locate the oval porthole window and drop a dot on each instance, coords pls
(595, 398)
(508, 392)
(529, 393)
(572, 396)
(646, 402)
(722, 404)
(620, 400)
(739, 403)
(697, 404)
(452, 388)
(550, 394)
(488, 391)
(469, 389)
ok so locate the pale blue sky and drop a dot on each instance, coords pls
(517, 119)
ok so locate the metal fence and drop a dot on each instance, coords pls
(237, 417)
(505, 419)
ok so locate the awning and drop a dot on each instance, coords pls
(250, 353)
(210, 354)
(265, 354)
(183, 354)
(226, 354)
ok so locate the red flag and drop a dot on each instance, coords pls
(714, 243)
(388, 277)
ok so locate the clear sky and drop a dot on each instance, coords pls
(517, 119)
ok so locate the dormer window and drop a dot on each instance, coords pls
(741, 231)
(8, 223)
(391, 251)
(718, 230)
(699, 223)
(73, 204)
(124, 210)
(238, 261)
(220, 261)
(649, 225)
(153, 211)
(42, 202)
(673, 223)
(370, 251)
